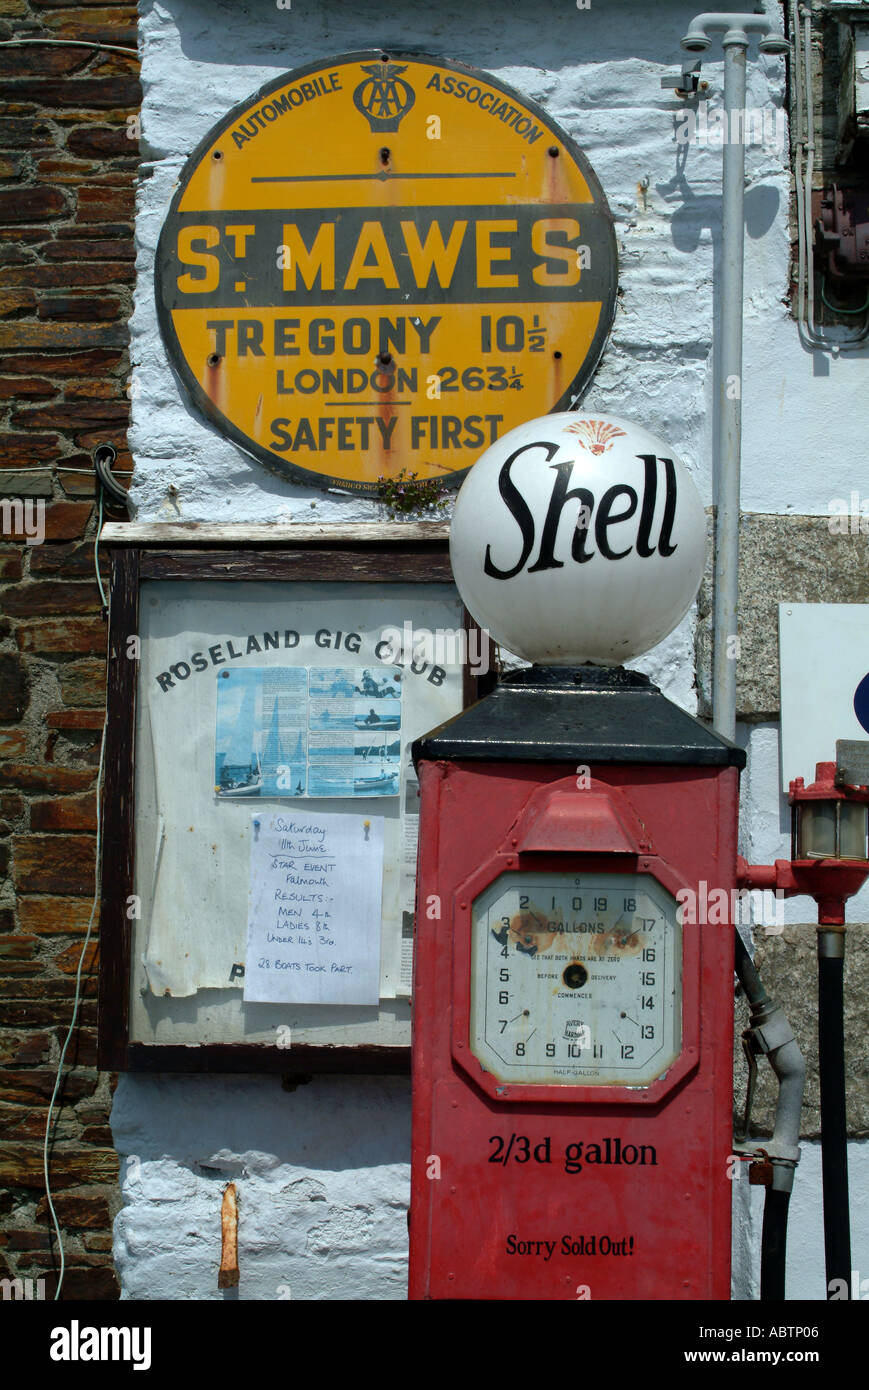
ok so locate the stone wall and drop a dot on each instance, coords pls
(68, 160)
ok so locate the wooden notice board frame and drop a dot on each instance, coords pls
(369, 554)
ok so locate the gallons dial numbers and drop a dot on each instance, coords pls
(576, 978)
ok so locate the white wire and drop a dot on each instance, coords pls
(81, 959)
(71, 43)
(50, 467)
(122, 472)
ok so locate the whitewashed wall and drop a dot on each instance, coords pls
(323, 1171)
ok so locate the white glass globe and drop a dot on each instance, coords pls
(578, 538)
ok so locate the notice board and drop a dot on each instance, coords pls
(261, 710)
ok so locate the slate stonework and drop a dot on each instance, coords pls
(67, 186)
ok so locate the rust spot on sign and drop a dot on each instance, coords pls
(532, 932)
(623, 941)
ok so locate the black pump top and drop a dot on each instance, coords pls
(591, 714)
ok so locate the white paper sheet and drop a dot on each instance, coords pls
(314, 908)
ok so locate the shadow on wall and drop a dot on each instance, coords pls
(226, 1123)
(550, 34)
(695, 213)
(699, 213)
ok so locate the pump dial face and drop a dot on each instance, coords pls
(576, 978)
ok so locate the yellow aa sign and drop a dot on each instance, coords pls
(384, 262)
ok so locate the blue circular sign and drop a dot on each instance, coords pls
(861, 702)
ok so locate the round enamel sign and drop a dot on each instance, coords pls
(578, 538)
(380, 262)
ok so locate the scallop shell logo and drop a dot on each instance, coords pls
(595, 435)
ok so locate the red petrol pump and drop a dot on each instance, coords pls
(572, 1042)
(572, 1045)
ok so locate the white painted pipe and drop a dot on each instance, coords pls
(728, 396)
(727, 366)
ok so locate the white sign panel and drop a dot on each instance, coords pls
(313, 933)
(824, 662)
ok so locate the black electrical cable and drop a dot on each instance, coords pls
(103, 457)
(834, 1135)
(773, 1242)
(773, 1245)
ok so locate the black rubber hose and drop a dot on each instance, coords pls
(834, 1135)
(773, 1245)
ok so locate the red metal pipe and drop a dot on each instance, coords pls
(829, 881)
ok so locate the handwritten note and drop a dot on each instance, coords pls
(314, 913)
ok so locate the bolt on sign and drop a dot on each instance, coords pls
(384, 262)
